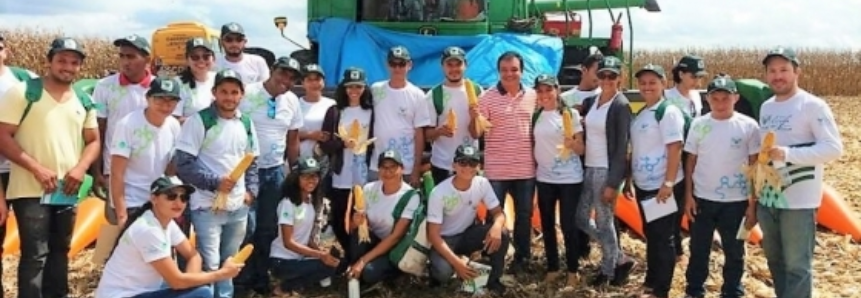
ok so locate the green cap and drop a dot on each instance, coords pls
(722, 83)
(164, 87)
(654, 68)
(611, 64)
(353, 76)
(315, 69)
(163, 185)
(135, 41)
(453, 53)
(467, 152)
(785, 53)
(546, 79)
(693, 64)
(232, 28)
(398, 53)
(392, 155)
(62, 44)
(228, 75)
(197, 42)
(288, 63)
(307, 165)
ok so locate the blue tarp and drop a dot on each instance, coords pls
(344, 43)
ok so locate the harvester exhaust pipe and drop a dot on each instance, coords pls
(281, 24)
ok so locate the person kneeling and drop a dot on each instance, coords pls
(297, 261)
(452, 228)
(141, 260)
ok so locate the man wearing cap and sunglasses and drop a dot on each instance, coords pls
(48, 130)
(252, 68)
(118, 95)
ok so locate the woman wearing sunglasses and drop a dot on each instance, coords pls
(297, 258)
(354, 104)
(141, 266)
(197, 78)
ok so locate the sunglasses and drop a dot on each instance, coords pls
(271, 108)
(397, 64)
(607, 76)
(182, 197)
(200, 57)
(467, 163)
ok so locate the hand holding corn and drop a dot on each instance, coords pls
(358, 198)
(241, 256)
(356, 136)
(481, 123)
(760, 173)
(220, 203)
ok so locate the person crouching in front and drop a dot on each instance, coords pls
(451, 227)
(296, 257)
(141, 261)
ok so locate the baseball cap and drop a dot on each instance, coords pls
(315, 69)
(398, 53)
(611, 64)
(232, 28)
(654, 68)
(228, 75)
(392, 155)
(353, 76)
(467, 152)
(164, 87)
(722, 83)
(135, 41)
(307, 165)
(163, 185)
(546, 79)
(692, 64)
(288, 63)
(62, 44)
(197, 42)
(782, 52)
(453, 53)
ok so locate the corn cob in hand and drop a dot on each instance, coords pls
(567, 132)
(760, 173)
(451, 120)
(358, 198)
(241, 256)
(220, 203)
(355, 134)
(481, 123)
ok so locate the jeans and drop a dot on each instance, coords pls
(46, 236)
(604, 231)
(466, 243)
(568, 197)
(439, 174)
(788, 240)
(297, 274)
(197, 292)
(338, 200)
(256, 272)
(725, 217)
(4, 177)
(522, 192)
(660, 243)
(375, 270)
(374, 176)
(219, 236)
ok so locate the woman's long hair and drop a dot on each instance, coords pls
(366, 101)
(187, 77)
(131, 220)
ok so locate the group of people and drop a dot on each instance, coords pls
(165, 151)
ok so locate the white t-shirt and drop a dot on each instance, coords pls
(7, 80)
(148, 149)
(455, 99)
(355, 167)
(313, 114)
(455, 209)
(128, 272)
(220, 149)
(649, 141)
(194, 100)
(113, 102)
(596, 155)
(690, 103)
(252, 68)
(272, 132)
(802, 119)
(379, 207)
(721, 147)
(398, 112)
(574, 96)
(548, 137)
(301, 218)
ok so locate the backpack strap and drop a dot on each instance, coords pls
(246, 122)
(436, 94)
(535, 116)
(660, 110)
(210, 119)
(20, 74)
(32, 94)
(402, 203)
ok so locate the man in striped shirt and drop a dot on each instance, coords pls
(508, 161)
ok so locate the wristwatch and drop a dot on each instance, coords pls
(669, 184)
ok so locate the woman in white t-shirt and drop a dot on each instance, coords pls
(197, 79)
(657, 176)
(140, 266)
(348, 168)
(297, 259)
(316, 109)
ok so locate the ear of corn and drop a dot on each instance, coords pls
(451, 119)
(355, 130)
(243, 254)
(567, 126)
(472, 99)
(760, 173)
(767, 144)
(220, 202)
(359, 205)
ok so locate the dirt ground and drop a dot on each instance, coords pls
(836, 265)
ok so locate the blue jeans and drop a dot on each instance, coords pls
(218, 237)
(198, 292)
(255, 274)
(725, 217)
(522, 192)
(297, 274)
(788, 240)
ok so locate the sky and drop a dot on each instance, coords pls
(681, 24)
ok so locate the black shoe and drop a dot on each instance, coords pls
(518, 267)
(599, 280)
(622, 272)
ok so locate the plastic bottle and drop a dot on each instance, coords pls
(476, 285)
(353, 290)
